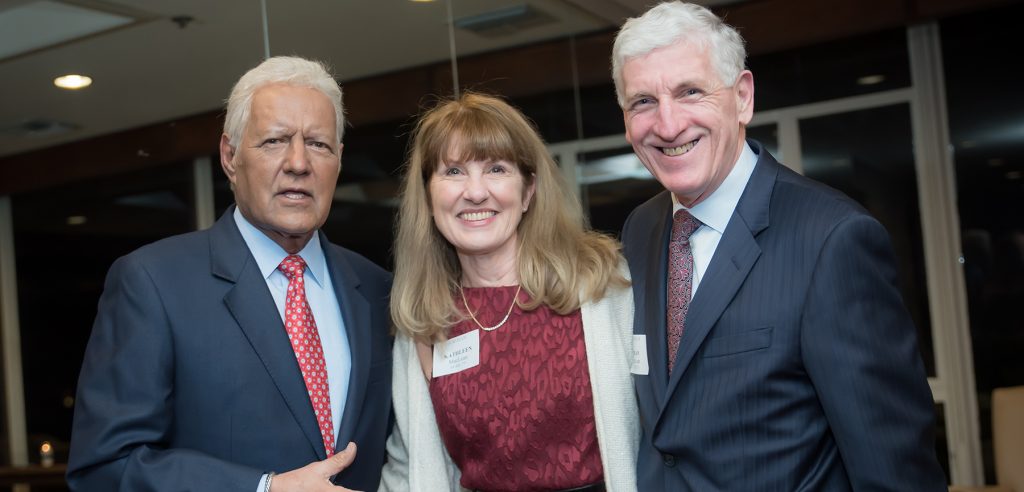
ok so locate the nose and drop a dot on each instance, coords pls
(476, 190)
(297, 158)
(670, 121)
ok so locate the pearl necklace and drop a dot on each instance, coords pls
(503, 320)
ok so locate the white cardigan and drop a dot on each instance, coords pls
(417, 459)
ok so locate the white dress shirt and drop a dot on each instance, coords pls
(714, 213)
(322, 301)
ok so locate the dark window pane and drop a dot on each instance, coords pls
(865, 64)
(612, 183)
(65, 240)
(554, 114)
(985, 119)
(601, 112)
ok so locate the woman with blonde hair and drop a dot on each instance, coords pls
(513, 319)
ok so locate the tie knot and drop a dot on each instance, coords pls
(683, 224)
(292, 266)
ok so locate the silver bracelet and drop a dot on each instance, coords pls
(270, 478)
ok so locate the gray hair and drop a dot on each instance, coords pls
(673, 22)
(288, 70)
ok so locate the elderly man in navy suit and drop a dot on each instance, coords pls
(774, 351)
(222, 357)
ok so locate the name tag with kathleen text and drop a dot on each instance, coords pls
(639, 364)
(457, 354)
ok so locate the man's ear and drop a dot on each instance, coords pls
(625, 124)
(744, 87)
(227, 157)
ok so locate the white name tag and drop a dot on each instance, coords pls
(457, 354)
(639, 364)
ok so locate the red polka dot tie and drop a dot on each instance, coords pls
(305, 339)
(680, 278)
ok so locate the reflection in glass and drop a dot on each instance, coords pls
(612, 183)
(867, 155)
(986, 122)
(65, 240)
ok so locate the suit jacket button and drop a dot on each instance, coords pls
(670, 461)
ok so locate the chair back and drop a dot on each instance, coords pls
(1008, 436)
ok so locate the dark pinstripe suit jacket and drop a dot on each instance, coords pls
(799, 367)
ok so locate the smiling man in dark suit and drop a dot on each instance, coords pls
(221, 357)
(774, 351)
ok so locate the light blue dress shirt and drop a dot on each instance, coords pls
(322, 301)
(714, 213)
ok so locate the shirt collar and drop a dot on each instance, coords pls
(269, 254)
(716, 210)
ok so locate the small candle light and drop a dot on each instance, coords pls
(46, 454)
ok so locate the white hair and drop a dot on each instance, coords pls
(676, 22)
(288, 70)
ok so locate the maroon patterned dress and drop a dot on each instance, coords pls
(524, 418)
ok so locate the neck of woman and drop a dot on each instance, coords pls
(489, 270)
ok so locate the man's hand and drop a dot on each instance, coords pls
(315, 477)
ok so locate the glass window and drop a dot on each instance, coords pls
(986, 120)
(848, 67)
(612, 183)
(65, 240)
(601, 112)
(554, 114)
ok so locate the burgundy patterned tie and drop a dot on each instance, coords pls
(680, 278)
(305, 339)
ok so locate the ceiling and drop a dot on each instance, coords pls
(178, 58)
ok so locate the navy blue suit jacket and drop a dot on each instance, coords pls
(190, 383)
(798, 368)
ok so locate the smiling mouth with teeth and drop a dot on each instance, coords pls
(473, 216)
(682, 149)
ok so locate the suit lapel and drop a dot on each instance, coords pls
(654, 308)
(252, 306)
(355, 311)
(736, 254)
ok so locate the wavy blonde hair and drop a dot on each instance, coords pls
(561, 261)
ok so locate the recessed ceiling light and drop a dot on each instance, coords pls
(871, 79)
(72, 81)
(77, 220)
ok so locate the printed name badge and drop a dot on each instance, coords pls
(639, 364)
(457, 354)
